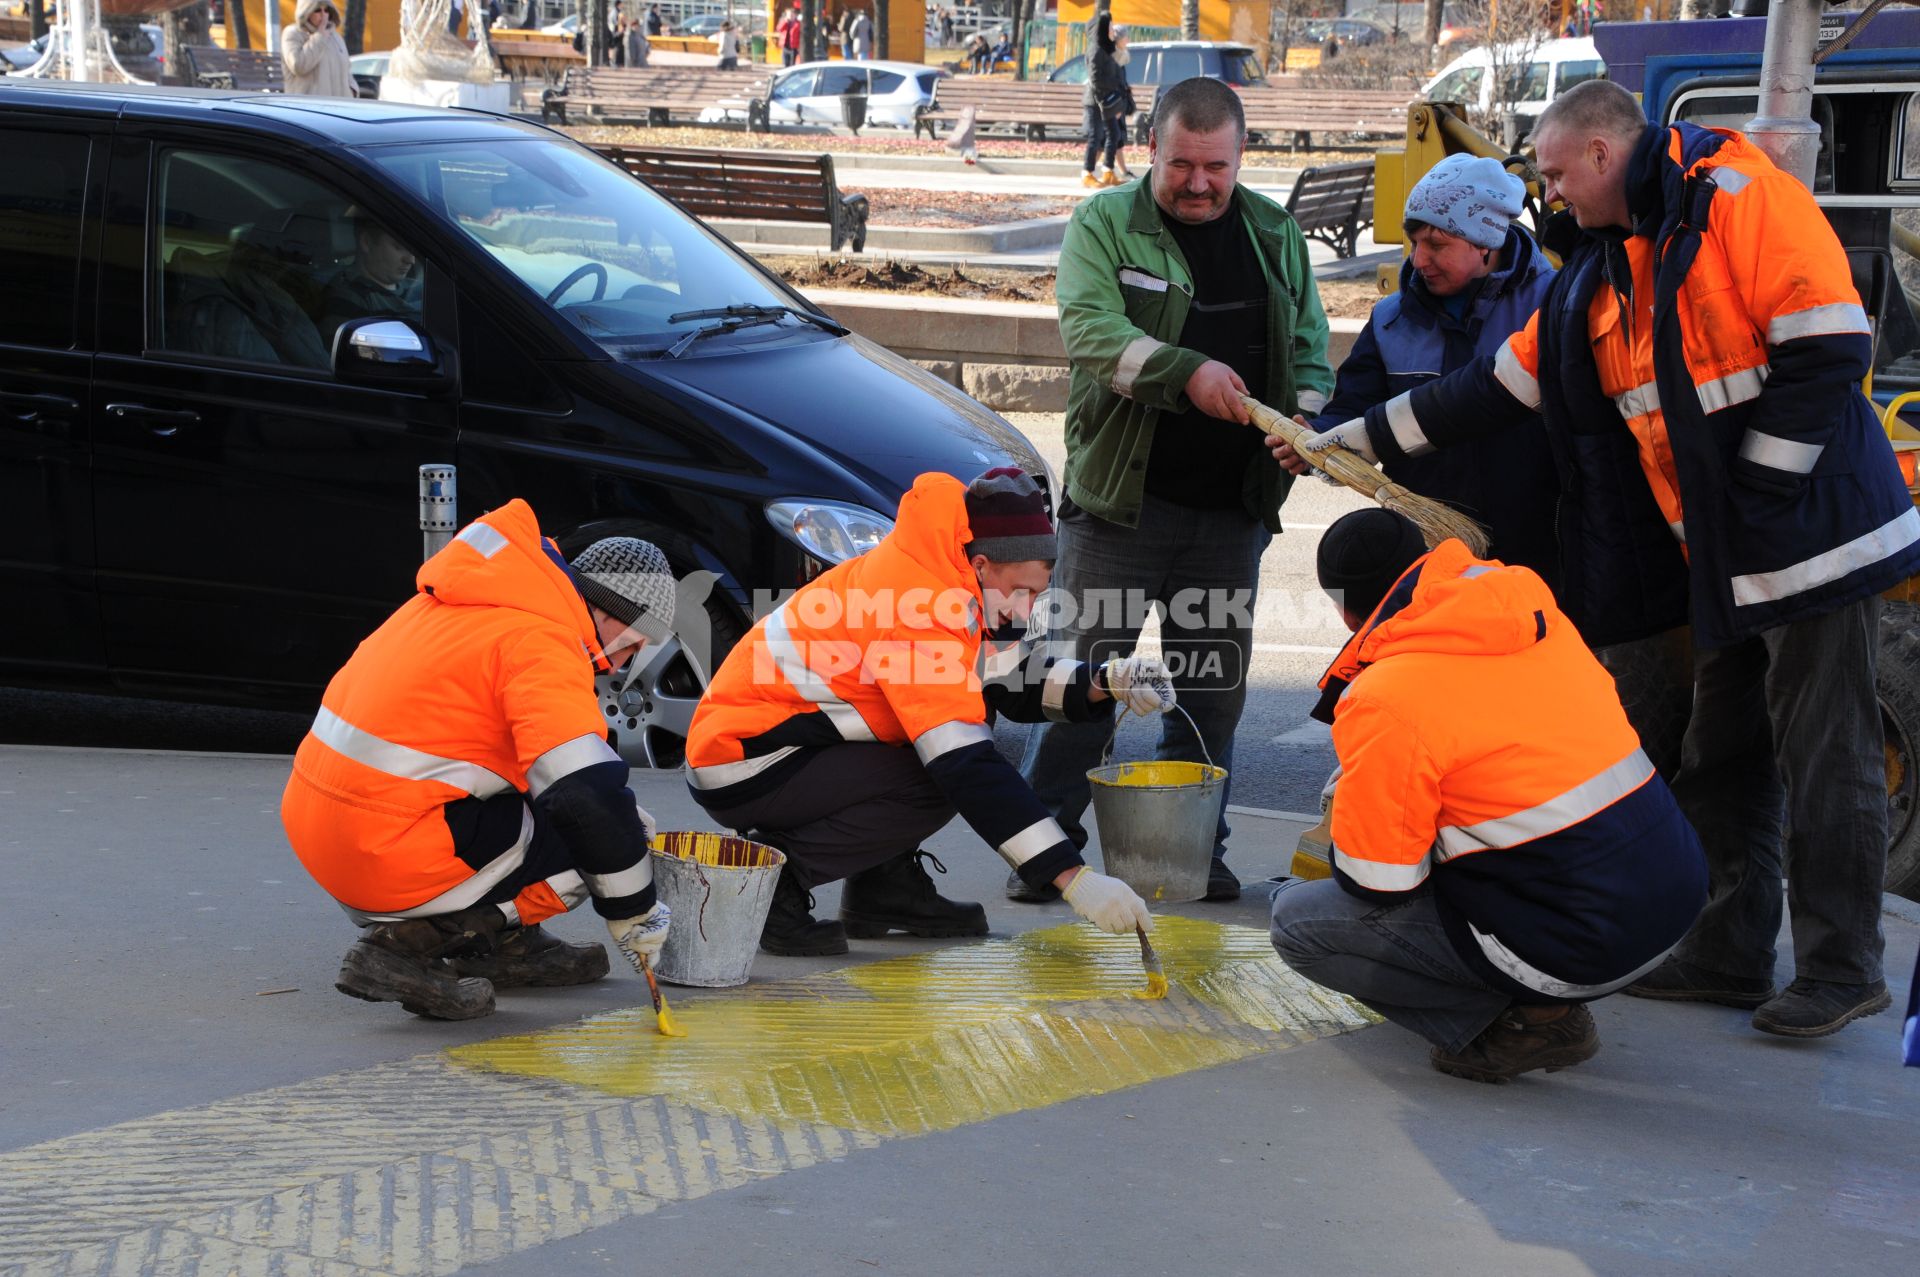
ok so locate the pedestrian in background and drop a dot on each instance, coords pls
(729, 42)
(314, 55)
(860, 32)
(789, 33)
(1177, 295)
(639, 48)
(1105, 100)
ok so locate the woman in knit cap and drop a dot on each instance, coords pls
(1472, 279)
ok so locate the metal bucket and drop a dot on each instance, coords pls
(719, 888)
(1157, 822)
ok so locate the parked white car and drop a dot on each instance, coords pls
(810, 93)
(1554, 67)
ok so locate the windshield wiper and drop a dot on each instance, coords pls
(743, 315)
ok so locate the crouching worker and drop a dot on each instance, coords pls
(457, 787)
(1503, 851)
(851, 722)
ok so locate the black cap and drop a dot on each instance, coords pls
(1363, 554)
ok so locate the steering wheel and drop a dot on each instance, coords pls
(577, 274)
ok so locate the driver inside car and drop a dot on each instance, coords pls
(380, 282)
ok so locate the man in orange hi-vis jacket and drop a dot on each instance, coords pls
(457, 786)
(1503, 851)
(1697, 367)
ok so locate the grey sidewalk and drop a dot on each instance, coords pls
(157, 912)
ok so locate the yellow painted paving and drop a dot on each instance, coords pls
(467, 1155)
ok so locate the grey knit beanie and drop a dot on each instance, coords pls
(1007, 515)
(628, 579)
(1470, 196)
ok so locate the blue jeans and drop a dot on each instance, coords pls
(1215, 554)
(1395, 957)
(1105, 134)
(1786, 731)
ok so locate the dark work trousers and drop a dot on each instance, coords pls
(1786, 728)
(847, 808)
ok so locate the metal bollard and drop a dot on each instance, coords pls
(439, 507)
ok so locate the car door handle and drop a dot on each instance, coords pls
(35, 406)
(161, 421)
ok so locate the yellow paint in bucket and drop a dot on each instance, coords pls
(1160, 775)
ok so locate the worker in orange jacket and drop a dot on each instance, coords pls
(1697, 367)
(457, 787)
(1503, 850)
(851, 722)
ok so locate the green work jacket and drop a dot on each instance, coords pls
(1123, 292)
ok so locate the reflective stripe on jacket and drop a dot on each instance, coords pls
(886, 647)
(1508, 484)
(473, 700)
(1124, 292)
(1483, 749)
(1725, 334)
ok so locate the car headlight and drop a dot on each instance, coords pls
(829, 530)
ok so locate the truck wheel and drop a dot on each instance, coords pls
(649, 705)
(1899, 691)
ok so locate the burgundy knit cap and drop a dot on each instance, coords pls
(1008, 515)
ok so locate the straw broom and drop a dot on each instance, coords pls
(1436, 520)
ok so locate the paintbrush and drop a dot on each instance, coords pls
(662, 1017)
(1156, 980)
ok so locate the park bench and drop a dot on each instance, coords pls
(1298, 112)
(1332, 202)
(252, 70)
(656, 94)
(752, 185)
(1031, 106)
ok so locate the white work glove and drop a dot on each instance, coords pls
(1141, 683)
(1107, 903)
(642, 937)
(1348, 434)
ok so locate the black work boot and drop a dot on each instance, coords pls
(404, 962)
(1221, 884)
(791, 930)
(532, 958)
(1522, 1039)
(1020, 889)
(1677, 980)
(1815, 1008)
(898, 895)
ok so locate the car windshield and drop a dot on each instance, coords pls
(1240, 66)
(607, 253)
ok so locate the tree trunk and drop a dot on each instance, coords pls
(593, 16)
(810, 31)
(237, 24)
(1017, 15)
(883, 29)
(36, 19)
(1430, 29)
(353, 26)
(1189, 19)
(182, 29)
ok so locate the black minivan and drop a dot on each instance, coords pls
(234, 326)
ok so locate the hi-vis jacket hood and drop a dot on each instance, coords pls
(886, 647)
(1481, 744)
(480, 687)
(515, 568)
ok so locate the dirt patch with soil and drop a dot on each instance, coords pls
(1343, 298)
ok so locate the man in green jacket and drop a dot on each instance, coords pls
(1177, 295)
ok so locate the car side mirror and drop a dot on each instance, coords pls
(386, 352)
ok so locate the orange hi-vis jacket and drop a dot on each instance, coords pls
(1717, 349)
(461, 727)
(1483, 752)
(886, 647)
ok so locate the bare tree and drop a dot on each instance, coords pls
(598, 44)
(237, 20)
(36, 19)
(353, 26)
(1513, 31)
(183, 29)
(1430, 29)
(883, 29)
(1189, 19)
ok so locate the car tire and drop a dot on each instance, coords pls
(1899, 692)
(649, 707)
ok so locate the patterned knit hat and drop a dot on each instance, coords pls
(1470, 196)
(629, 580)
(1007, 514)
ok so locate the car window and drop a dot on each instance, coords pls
(1528, 83)
(1572, 73)
(1459, 86)
(886, 82)
(1238, 67)
(41, 205)
(1178, 64)
(1910, 139)
(797, 85)
(835, 81)
(257, 262)
(599, 246)
(928, 80)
